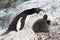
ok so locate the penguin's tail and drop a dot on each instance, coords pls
(5, 33)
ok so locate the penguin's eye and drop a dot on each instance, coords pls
(37, 10)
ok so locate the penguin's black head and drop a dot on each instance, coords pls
(37, 10)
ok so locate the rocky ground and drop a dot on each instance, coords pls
(52, 9)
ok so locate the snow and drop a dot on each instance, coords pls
(52, 9)
(26, 34)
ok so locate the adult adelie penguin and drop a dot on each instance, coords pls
(12, 26)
